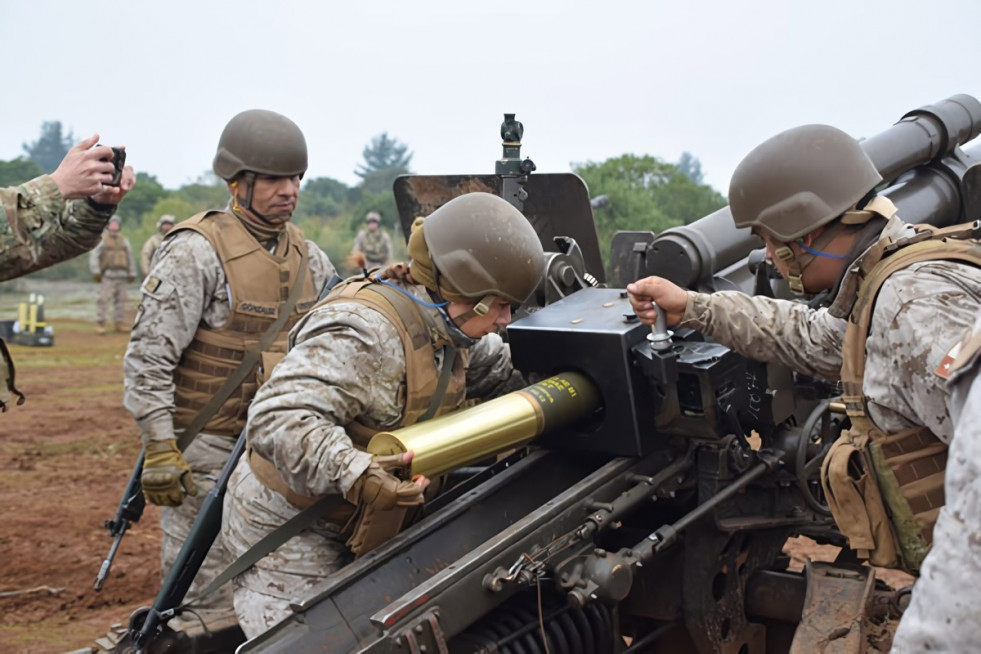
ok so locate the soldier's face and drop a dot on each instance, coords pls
(274, 197)
(497, 317)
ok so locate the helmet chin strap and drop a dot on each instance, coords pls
(249, 178)
(796, 263)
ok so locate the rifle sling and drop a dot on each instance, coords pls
(269, 543)
(249, 361)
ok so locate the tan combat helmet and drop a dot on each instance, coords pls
(484, 246)
(799, 180)
(260, 141)
(166, 219)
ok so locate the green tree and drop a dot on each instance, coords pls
(48, 151)
(646, 193)
(140, 201)
(17, 171)
(690, 167)
(384, 159)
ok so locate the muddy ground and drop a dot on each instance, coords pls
(65, 456)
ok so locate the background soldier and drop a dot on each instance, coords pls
(221, 283)
(896, 315)
(164, 224)
(42, 222)
(112, 266)
(373, 242)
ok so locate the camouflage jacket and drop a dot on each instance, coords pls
(39, 228)
(187, 290)
(375, 244)
(346, 362)
(920, 312)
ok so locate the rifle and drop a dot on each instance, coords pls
(130, 510)
(147, 624)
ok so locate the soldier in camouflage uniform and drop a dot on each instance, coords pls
(943, 613)
(216, 288)
(164, 225)
(112, 266)
(809, 193)
(56, 217)
(373, 242)
(367, 359)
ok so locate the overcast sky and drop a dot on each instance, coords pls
(589, 80)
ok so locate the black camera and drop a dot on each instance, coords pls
(118, 161)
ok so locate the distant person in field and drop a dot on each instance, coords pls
(112, 266)
(373, 242)
(164, 225)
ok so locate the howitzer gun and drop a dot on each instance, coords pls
(655, 522)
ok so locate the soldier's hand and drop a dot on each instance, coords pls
(378, 487)
(647, 292)
(85, 170)
(97, 277)
(166, 476)
(115, 194)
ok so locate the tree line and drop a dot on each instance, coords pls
(643, 193)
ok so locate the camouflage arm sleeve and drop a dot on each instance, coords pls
(346, 363)
(38, 228)
(490, 372)
(186, 288)
(803, 339)
(321, 267)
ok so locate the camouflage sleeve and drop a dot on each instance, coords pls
(803, 339)
(321, 267)
(942, 615)
(490, 373)
(185, 288)
(358, 245)
(346, 363)
(38, 228)
(920, 314)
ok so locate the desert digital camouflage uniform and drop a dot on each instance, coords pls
(943, 613)
(921, 311)
(346, 363)
(39, 228)
(187, 289)
(376, 246)
(112, 259)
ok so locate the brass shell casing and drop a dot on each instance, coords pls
(470, 435)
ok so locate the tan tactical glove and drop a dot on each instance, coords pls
(379, 488)
(382, 500)
(166, 475)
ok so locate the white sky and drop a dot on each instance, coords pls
(589, 80)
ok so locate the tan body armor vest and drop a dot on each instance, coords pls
(259, 283)
(421, 379)
(885, 490)
(113, 255)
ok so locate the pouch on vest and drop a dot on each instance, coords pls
(850, 486)
(267, 361)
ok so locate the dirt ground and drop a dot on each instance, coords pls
(65, 457)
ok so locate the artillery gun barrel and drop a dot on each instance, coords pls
(924, 134)
(470, 435)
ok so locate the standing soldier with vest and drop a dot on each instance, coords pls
(408, 344)
(112, 265)
(164, 225)
(373, 242)
(902, 298)
(222, 284)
